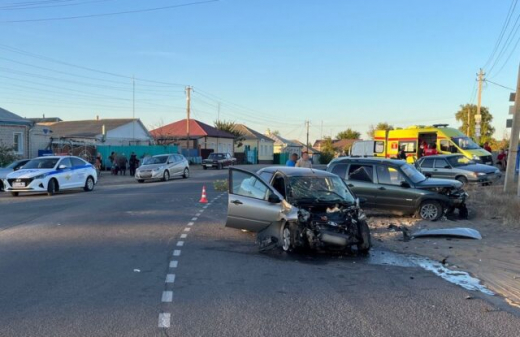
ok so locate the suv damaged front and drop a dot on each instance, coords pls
(325, 216)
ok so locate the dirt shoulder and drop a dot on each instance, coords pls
(495, 259)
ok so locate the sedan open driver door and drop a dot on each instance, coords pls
(252, 204)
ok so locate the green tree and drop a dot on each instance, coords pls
(327, 151)
(7, 155)
(486, 130)
(348, 134)
(380, 126)
(230, 127)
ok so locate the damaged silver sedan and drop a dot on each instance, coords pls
(295, 208)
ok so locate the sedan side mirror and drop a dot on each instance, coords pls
(274, 199)
(62, 167)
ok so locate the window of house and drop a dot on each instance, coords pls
(18, 142)
(379, 147)
(361, 173)
(409, 146)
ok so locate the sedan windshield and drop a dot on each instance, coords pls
(216, 156)
(12, 165)
(320, 189)
(457, 161)
(41, 163)
(465, 143)
(157, 160)
(412, 173)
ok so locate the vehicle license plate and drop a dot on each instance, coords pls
(17, 185)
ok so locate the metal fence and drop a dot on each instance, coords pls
(280, 158)
(140, 151)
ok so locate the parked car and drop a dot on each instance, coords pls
(218, 161)
(296, 208)
(14, 166)
(163, 167)
(458, 167)
(52, 174)
(397, 186)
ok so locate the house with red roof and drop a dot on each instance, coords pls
(201, 136)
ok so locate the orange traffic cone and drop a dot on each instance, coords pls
(204, 199)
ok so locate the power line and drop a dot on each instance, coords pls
(46, 4)
(506, 44)
(110, 14)
(499, 85)
(502, 31)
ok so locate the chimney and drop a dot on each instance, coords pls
(43, 116)
(97, 117)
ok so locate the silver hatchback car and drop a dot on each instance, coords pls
(163, 167)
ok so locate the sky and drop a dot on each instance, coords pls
(271, 64)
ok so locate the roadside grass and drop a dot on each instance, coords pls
(490, 202)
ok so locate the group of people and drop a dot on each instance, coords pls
(119, 163)
(304, 161)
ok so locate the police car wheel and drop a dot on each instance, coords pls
(89, 184)
(51, 188)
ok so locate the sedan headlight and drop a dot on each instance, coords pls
(158, 168)
(41, 176)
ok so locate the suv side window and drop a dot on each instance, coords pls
(427, 163)
(389, 176)
(340, 170)
(358, 172)
(441, 163)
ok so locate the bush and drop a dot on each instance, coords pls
(326, 157)
(7, 155)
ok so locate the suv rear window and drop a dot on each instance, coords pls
(361, 173)
(340, 170)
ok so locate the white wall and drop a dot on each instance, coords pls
(126, 133)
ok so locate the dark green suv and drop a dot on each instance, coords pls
(397, 186)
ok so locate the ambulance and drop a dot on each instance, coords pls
(387, 144)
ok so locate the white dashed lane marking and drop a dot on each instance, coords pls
(164, 320)
(167, 296)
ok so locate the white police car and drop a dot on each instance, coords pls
(51, 174)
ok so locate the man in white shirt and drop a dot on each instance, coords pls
(304, 161)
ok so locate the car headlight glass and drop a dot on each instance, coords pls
(480, 174)
(41, 176)
(475, 157)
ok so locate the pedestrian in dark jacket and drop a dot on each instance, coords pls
(402, 153)
(121, 164)
(133, 162)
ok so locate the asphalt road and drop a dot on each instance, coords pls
(102, 264)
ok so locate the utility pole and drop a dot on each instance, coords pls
(513, 144)
(188, 113)
(133, 108)
(307, 144)
(469, 121)
(478, 116)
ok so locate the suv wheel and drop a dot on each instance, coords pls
(430, 210)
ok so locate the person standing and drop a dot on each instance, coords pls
(121, 164)
(133, 163)
(111, 160)
(292, 160)
(304, 161)
(98, 164)
(487, 147)
(402, 153)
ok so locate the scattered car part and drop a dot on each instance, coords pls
(461, 232)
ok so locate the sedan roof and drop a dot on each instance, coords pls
(297, 171)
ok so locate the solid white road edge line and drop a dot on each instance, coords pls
(184, 236)
(194, 219)
(187, 229)
(190, 223)
(164, 320)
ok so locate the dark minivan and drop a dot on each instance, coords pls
(397, 186)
